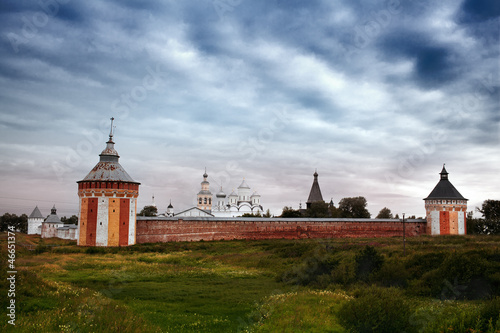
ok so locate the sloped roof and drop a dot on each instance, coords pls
(36, 214)
(244, 184)
(108, 168)
(445, 189)
(53, 218)
(315, 193)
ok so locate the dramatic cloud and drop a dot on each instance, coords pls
(375, 96)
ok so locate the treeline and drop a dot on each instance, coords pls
(353, 207)
(490, 223)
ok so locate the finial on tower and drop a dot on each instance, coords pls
(111, 131)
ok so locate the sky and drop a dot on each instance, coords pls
(374, 95)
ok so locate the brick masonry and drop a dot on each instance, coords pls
(155, 229)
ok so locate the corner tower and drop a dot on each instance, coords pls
(108, 202)
(35, 222)
(445, 209)
(205, 196)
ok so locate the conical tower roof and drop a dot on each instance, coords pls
(444, 189)
(36, 214)
(315, 193)
(108, 168)
(53, 218)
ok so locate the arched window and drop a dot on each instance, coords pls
(205, 201)
(209, 201)
(200, 201)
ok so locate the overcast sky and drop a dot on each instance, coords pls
(376, 97)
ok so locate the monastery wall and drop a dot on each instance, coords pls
(177, 229)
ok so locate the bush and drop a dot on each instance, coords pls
(368, 261)
(96, 250)
(314, 270)
(376, 310)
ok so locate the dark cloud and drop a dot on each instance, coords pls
(479, 10)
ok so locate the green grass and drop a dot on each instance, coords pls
(231, 286)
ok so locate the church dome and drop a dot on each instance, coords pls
(244, 184)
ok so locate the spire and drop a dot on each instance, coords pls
(444, 173)
(109, 154)
(315, 193)
(111, 131)
(153, 198)
(205, 174)
(170, 204)
(53, 211)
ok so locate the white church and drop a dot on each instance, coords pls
(244, 201)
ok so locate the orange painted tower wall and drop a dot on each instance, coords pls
(107, 213)
(108, 202)
(446, 217)
(445, 209)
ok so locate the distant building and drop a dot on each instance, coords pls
(51, 224)
(35, 222)
(315, 193)
(108, 202)
(204, 197)
(237, 204)
(446, 209)
(194, 212)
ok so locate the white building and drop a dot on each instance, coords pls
(237, 204)
(35, 222)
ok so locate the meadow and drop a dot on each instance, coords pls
(442, 284)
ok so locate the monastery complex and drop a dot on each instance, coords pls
(108, 214)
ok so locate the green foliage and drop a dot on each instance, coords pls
(96, 250)
(267, 213)
(385, 213)
(353, 208)
(377, 309)
(20, 223)
(252, 215)
(70, 220)
(315, 270)
(318, 209)
(490, 209)
(368, 261)
(148, 211)
(289, 212)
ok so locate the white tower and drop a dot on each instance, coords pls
(205, 196)
(35, 222)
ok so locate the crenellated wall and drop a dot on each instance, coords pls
(155, 229)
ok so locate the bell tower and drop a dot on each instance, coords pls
(204, 197)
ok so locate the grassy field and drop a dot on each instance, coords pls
(445, 284)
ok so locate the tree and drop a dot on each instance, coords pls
(490, 209)
(267, 214)
(20, 223)
(290, 212)
(385, 213)
(318, 209)
(149, 211)
(71, 220)
(397, 216)
(353, 208)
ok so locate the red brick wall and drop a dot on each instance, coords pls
(151, 230)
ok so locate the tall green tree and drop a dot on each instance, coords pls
(385, 213)
(354, 207)
(20, 223)
(318, 209)
(290, 212)
(490, 209)
(70, 220)
(149, 211)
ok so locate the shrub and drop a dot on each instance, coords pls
(376, 310)
(368, 261)
(310, 271)
(96, 250)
